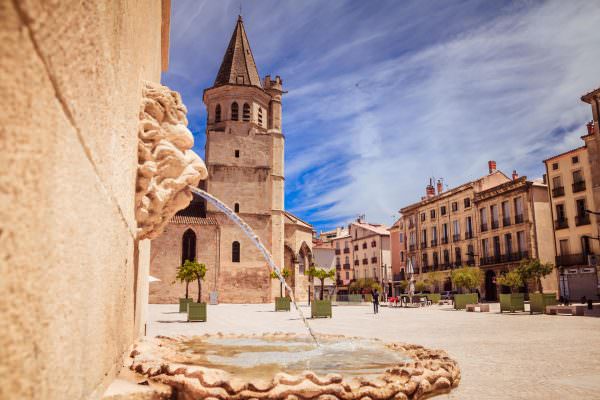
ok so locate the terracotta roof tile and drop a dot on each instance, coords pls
(187, 220)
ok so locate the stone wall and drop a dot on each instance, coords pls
(71, 269)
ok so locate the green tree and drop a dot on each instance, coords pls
(185, 275)
(321, 274)
(533, 270)
(403, 285)
(420, 286)
(511, 279)
(435, 279)
(285, 273)
(197, 271)
(467, 278)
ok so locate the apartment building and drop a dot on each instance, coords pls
(466, 224)
(575, 231)
(398, 251)
(362, 250)
(514, 223)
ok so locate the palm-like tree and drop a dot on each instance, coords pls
(321, 274)
(285, 273)
(184, 275)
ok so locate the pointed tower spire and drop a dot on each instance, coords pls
(238, 67)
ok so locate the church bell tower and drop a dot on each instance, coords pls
(244, 155)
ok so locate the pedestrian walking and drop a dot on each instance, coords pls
(375, 301)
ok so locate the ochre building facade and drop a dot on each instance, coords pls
(244, 155)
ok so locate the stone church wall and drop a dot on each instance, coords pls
(71, 77)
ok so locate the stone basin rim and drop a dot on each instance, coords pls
(430, 372)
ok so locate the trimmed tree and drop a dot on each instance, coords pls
(403, 285)
(435, 279)
(468, 278)
(420, 286)
(285, 273)
(184, 275)
(512, 279)
(198, 272)
(533, 270)
(321, 274)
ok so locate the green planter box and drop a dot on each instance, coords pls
(512, 302)
(196, 312)
(320, 309)
(539, 301)
(434, 297)
(183, 304)
(355, 298)
(461, 300)
(282, 303)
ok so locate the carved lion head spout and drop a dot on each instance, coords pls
(166, 163)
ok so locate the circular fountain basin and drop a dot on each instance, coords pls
(288, 366)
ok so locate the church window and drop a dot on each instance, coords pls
(188, 246)
(218, 113)
(235, 252)
(237, 154)
(235, 111)
(236, 207)
(246, 113)
(260, 116)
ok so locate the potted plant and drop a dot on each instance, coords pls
(321, 307)
(511, 301)
(197, 311)
(466, 278)
(281, 303)
(533, 271)
(184, 275)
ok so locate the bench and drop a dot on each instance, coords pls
(578, 310)
(482, 307)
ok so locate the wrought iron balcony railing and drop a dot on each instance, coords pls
(578, 186)
(558, 191)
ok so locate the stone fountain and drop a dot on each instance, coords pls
(272, 365)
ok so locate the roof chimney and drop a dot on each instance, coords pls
(492, 166)
(590, 127)
(430, 190)
(515, 175)
(440, 187)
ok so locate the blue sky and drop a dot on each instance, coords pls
(384, 95)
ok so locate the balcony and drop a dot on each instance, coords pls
(444, 240)
(338, 252)
(365, 261)
(355, 247)
(412, 247)
(484, 227)
(456, 237)
(495, 224)
(578, 186)
(582, 220)
(373, 260)
(503, 258)
(558, 191)
(434, 243)
(561, 224)
(468, 235)
(569, 260)
(356, 262)
(338, 266)
(346, 250)
(347, 266)
(519, 219)
(506, 221)
(423, 245)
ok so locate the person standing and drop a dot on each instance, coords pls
(375, 301)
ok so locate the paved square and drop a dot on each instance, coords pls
(508, 356)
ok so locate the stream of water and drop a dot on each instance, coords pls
(255, 239)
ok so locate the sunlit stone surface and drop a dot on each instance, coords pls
(289, 366)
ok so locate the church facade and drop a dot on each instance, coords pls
(244, 155)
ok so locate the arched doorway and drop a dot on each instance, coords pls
(491, 292)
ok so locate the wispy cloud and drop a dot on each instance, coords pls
(383, 95)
